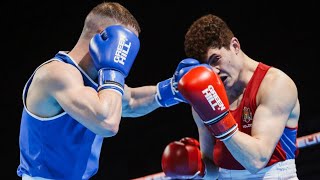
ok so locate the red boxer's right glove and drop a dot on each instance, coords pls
(182, 160)
(204, 91)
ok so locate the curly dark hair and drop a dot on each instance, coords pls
(208, 31)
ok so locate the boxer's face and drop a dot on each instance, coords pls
(224, 63)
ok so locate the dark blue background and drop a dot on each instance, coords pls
(282, 35)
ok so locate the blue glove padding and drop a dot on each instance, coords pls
(113, 52)
(167, 90)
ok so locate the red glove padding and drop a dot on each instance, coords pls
(204, 91)
(182, 160)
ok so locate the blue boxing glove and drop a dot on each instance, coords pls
(113, 52)
(167, 90)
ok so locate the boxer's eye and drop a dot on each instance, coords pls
(213, 59)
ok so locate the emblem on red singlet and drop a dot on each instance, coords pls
(246, 115)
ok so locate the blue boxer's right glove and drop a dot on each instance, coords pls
(113, 52)
(167, 90)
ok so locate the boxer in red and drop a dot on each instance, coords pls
(246, 111)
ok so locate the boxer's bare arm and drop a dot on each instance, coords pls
(277, 102)
(138, 101)
(142, 100)
(58, 86)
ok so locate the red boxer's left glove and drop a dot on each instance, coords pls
(205, 92)
(182, 160)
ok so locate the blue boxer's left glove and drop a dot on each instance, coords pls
(113, 52)
(167, 90)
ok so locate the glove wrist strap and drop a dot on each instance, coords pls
(165, 94)
(223, 128)
(111, 79)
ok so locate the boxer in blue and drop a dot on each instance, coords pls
(77, 98)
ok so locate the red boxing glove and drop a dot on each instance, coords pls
(182, 160)
(205, 92)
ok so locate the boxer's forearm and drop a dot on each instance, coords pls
(139, 101)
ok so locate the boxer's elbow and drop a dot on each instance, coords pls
(257, 164)
(108, 127)
(110, 130)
